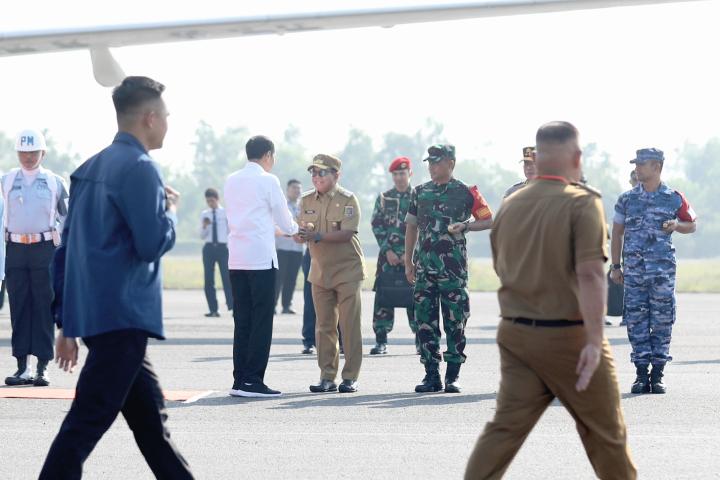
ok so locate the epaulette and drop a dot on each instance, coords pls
(345, 193)
(587, 188)
(308, 193)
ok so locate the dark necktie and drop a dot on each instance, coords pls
(214, 229)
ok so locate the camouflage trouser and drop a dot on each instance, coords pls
(649, 310)
(431, 294)
(384, 320)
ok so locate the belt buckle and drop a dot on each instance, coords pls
(26, 238)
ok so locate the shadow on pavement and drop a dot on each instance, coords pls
(294, 401)
(369, 341)
(696, 362)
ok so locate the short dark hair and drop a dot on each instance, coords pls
(292, 181)
(556, 132)
(212, 193)
(133, 92)
(258, 146)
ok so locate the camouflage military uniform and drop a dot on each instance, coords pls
(649, 270)
(388, 226)
(441, 267)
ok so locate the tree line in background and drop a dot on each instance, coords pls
(217, 154)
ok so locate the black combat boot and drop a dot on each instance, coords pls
(380, 347)
(23, 376)
(452, 375)
(642, 381)
(656, 383)
(431, 382)
(41, 378)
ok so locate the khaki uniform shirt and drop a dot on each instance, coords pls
(333, 263)
(539, 236)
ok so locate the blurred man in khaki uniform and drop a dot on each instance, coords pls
(552, 301)
(329, 218)
(529, 169)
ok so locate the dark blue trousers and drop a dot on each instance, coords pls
(117, 378)
(308, 327)
(27, 274)
(212, 254)
(254, 296)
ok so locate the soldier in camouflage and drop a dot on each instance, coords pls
(645, 218)
(441, 212)
(388, 226)
(529, 170)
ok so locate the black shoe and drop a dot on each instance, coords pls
(379, 349)
(348, 386)
(289, 311)
(431, 382)
(608, 323)
(452, 375)
(212, 314)
(642, 381)
(622, 323)
(254, 390)
(656, 383)
(324, 386)
(342, 350)
(23, 376)
(310, 350)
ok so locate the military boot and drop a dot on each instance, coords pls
(41, 378)
(656, 383)
(452, 375)
(642, 381)
(380, 347)
(23, 376)
(431, 382)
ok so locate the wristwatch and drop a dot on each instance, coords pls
(317, 237)
(616, 266)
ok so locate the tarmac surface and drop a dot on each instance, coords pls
(385, 431)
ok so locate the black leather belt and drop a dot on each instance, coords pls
(544, 323)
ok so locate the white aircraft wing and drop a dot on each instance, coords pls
(98, 39)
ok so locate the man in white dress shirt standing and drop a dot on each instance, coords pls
(214, 231)
(255, 204)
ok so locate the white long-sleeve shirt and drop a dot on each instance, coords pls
(222, 225)
(255, 204)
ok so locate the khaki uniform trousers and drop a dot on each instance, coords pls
(537, 365)
(332, 305)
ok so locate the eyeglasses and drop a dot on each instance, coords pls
(321, 173)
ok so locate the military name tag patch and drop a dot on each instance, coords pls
(349, 211)
(310, 211)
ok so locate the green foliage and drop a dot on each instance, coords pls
(217, 154)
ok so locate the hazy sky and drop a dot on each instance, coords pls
(627, 77)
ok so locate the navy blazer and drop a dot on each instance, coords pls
(106, 272)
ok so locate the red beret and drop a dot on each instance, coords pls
(400, 163)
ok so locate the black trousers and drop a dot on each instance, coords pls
(286, 278)
(254, 295)
(308, 327)
(117, 378)
(212, 254)
(30, 294)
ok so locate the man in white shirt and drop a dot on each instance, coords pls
(255, 205)
(214, 231)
